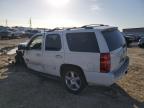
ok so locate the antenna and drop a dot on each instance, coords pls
(6, 22)
(30, 23)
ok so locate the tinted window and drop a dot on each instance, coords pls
(53, 42)
(82, 42)
(114, 39)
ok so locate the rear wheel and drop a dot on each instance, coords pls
(73, 80)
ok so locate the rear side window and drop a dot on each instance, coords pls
(82, 42)
(53, 42)
(114, 39)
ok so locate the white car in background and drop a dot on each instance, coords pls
(92, 54)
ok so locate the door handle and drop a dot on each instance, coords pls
(58, 56)
(38, 54)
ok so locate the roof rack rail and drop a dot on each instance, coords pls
(90, 26)
(72, 28)
(57, 28)
(62, 28)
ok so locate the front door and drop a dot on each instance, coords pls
(33, 54)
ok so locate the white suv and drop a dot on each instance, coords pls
(92, 54)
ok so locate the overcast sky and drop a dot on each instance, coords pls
(53, 13)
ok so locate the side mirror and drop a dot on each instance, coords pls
(22, 47)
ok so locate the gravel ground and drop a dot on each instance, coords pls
(24, 88)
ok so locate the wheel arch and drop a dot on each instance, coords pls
(64, 66)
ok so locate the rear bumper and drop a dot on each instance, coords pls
(107, 79)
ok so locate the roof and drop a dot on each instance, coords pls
(87, 27)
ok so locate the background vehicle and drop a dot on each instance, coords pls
(92, 54)
(30, 33)
(18, 34)
(6, 34)
(135, 37)
(141, 43)
(129, 39)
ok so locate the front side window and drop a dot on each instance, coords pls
(82, 42)
(36, 43)
(53, 42)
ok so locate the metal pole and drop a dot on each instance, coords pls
(30, 22)
(6, 22)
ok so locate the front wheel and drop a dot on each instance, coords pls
(73, 80)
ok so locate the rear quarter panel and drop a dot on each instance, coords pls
(89, 62)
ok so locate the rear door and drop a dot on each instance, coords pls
(53, 55)
(117, 47)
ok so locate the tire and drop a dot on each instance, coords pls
(19, 58)
(73, 80)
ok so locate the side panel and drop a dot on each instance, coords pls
(89, 62)
(118, 57)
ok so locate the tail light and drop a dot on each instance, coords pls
(105, 62)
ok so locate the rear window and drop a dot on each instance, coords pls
(82, 42)
(114, 39)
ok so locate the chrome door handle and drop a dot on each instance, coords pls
(58, 56)
(38, 54)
